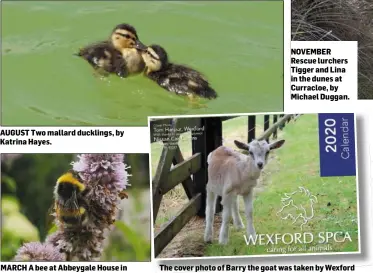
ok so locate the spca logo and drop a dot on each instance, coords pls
(298, 207)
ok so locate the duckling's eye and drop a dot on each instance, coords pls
(125, 35)
(151, 56)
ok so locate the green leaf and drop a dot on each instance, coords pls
(9, 182)
(53, 229)
(141, 246)
(9, 204)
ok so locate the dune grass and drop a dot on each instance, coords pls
(330, 20)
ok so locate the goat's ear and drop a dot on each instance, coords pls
(277, 144)
(241, 145)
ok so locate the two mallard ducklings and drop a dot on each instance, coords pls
(123, 54)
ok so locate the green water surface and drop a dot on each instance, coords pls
(237, 45)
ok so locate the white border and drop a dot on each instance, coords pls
(287, 49)
(223, 258)
(151, 201)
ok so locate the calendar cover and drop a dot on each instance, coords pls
(254, 185)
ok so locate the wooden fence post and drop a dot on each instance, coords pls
(266, 125)
(163, 169)
(251, 128)
(274, 121)
(282, 126)
(205, 143)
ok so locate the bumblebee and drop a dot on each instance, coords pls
(70, 203)
(175, 78)
(70, 207)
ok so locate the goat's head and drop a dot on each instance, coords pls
(259, 150)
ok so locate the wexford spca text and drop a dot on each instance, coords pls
(298, 238)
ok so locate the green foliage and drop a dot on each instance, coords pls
(8, 183)
(140, 246)
(9, 247)
(140, 167)
(130, 238)
(9, 204)
(16, 228)
(52, 229)
(35, 176)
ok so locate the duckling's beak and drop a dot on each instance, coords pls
(140, 46)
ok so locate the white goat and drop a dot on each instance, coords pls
(232, 173)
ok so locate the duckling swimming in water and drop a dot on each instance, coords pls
(117, 55)
(105, 59)
(176, 78)
(124, 38)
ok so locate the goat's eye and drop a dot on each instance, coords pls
(251, 153)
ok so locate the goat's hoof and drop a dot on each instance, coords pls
(252, 235)
(223, 241)
(208, 238)
(240, 226)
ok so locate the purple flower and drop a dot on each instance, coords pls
(105, 177)
(38, 252)
(84, 244)
(109, 169)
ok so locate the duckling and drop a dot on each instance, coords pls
(176, 78)
(116, 55)
(124, 38)
(105, 59)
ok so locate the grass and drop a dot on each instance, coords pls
(295, 164)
